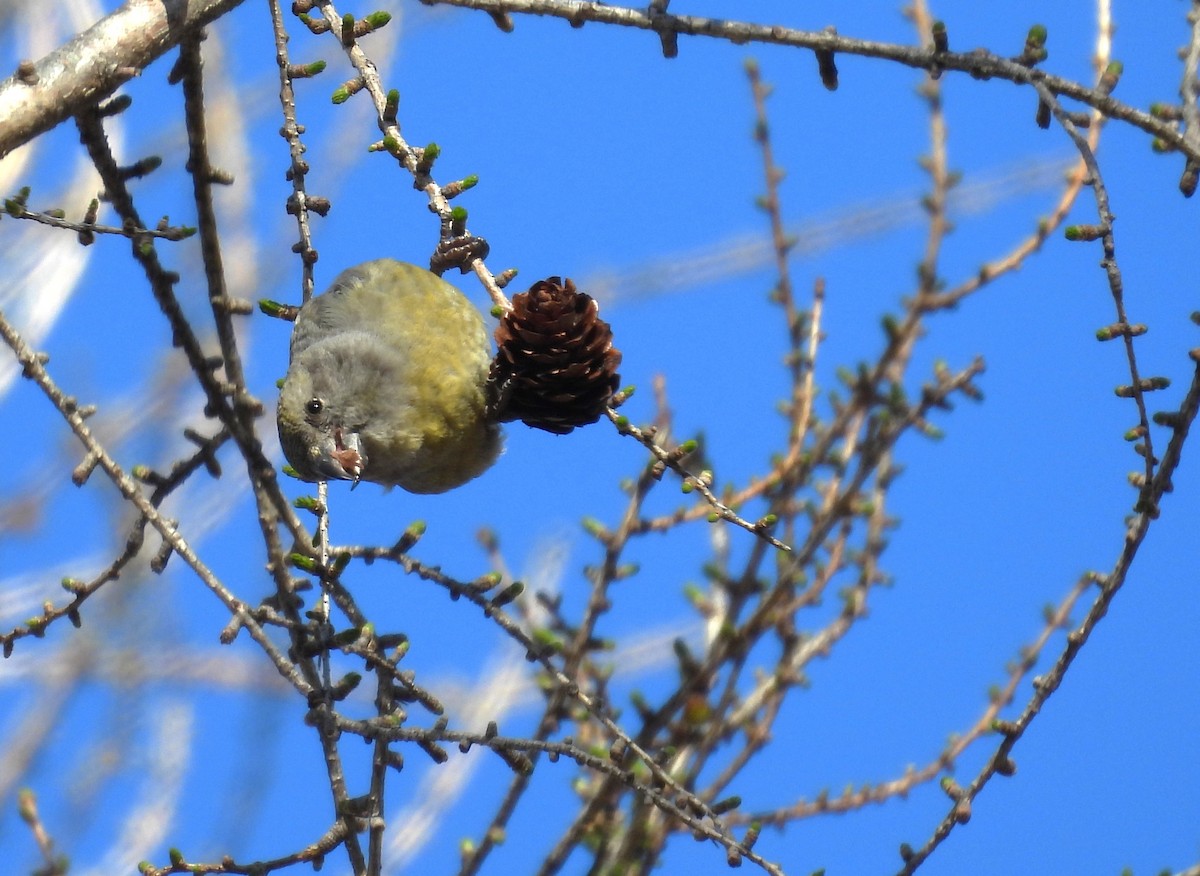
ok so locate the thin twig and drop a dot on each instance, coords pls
(981, 64)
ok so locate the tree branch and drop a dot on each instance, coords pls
(95, 64)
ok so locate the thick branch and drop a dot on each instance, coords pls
(96, 63)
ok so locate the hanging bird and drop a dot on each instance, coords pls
(388, 383)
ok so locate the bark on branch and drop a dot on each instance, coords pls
(94, 64)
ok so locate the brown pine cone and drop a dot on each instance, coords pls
(555, 365)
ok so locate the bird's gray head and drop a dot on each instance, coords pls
(318, 433)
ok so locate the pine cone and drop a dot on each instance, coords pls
(555, 366)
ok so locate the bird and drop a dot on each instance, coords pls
(387, 382)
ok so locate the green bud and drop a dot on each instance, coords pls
(507, 595)
(307, 503)
(941, 40)
(300, 561)
(1110, 78)
(1083, 232)
(346, 637)
(548, 639)
(488, 581)
(726, 805)
(410, 536)
(428, 156)
(345, 685)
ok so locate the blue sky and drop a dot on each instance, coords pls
(598, 157)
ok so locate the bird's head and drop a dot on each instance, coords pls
(318, 439)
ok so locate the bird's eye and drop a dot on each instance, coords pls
(314, 406)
